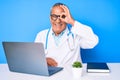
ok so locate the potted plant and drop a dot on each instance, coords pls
(77, 69)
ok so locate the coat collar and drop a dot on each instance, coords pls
(63, 36)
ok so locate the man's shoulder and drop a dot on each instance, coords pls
(43, 31)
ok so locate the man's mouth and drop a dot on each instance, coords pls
(58, 25)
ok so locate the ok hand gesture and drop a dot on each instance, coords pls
(66, 16)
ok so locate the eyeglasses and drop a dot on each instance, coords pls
(54, 17)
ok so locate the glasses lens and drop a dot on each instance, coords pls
(54, 16)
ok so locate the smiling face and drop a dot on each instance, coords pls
(57, 24)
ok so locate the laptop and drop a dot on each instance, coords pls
(28, 57)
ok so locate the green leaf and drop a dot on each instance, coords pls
(77, 64)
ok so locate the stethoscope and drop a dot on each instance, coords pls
(70, 40)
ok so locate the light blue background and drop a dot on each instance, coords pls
(21, 20)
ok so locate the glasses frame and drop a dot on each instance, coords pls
(54, 17)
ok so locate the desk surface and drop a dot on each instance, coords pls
(65, 74)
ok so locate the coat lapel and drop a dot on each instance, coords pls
(62, 40)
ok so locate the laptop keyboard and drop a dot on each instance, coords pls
(53, 70)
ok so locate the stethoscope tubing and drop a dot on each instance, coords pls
(69, 42)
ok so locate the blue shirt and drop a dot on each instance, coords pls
(57, 38)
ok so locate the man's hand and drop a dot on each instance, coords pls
(51, 62)
(68, 18)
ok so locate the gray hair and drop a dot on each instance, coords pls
(56, 4)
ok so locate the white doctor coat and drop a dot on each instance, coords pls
(68, 50)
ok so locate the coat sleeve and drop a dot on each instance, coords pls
(87, 38)
(41, 36)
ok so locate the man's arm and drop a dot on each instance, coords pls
(87, 37)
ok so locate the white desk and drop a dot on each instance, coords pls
(65, 74)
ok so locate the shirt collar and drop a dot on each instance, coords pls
(60, 33)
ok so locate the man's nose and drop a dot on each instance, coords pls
(58, 20)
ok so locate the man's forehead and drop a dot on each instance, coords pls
(57, 9)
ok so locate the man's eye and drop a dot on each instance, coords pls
(63, 16)
(55, 16)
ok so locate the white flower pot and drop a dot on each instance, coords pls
(77, 72)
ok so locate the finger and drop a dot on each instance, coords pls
(65, 8)
(63, 15)
(63, 19)
(66, 11)
(54, 64)
(51, 62)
